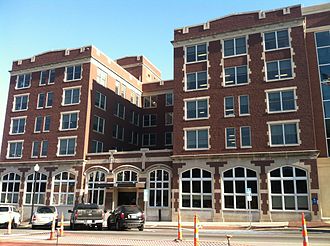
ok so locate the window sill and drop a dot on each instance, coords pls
(22, 88)
(20, 110)
(277, 49)
(229, 116)
(234, 85)
(284, 145)
(276, 80)
(244, 115)
(58, 155)
(73, 80)
(13, 158)
(66, 130)
(14, 134)
(71, 104)
(194, 62)
(203, 149)
(286, 111)
(193, 119)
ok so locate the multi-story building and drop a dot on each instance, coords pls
(245, 113)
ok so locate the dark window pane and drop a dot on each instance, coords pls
(239, 186)
(301, 186)
(241, 75)
(239, 172)
(186, 201)
(287, 171)
(270, 40)
(276, 134)
(207, 187)
(207, 201)
(326, 106)
(302, 202)
(324, 55)
(186, 186)
(251, 173)
(152, 198)
(196, 201)
(240, 46)
(289, 202)
(229, 47)
(228, 173)
(253, 185)
(322, 38)
(276, 187)
(277, 202)
(229, 187)
(196, 186)
(288, 186)
(165, 198)
(272, 70)
(206, 174)
(240, 202)
(229, 201)
(196, 173)
(300, 172)
(191, 54)
(275, 173)
(326, 90)
(254, 202)
(325, 73)
(186, 174)
(282, 39)
(285, 69)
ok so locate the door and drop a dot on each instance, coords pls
(126, 198)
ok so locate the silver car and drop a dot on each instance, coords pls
(44, 216)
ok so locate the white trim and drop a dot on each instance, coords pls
(43, 104)
(8, 148)
(239, 105)
(23, 74)
(27, 102)
(282, 123)
(105, 101)
(279, 70)
(66, 138)
(280, 90)
(69, 113)
(224, 107)
(74, 69)
(226, 146)
(64, 89)
(196, 61)
(196, 129)
(35, 124)
(44, 123)
(276, 40)
(235, 47)
(11, 125)
(98, 124)
(240, 132)
(196, 81)
(234, 82)
(196, 100)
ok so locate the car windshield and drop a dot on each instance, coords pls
(46, 210)
(87, 206)
(4, 209)
(131, 209)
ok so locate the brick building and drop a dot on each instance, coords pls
(247, 105)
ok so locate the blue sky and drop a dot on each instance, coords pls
(117, 27)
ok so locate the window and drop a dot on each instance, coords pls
(21, 102)
(150, 102)
(196, 53)
(49, 101)
(289, 189)
(67, 146)
(230, 138)
(44, 148)
(98, 124)
(71, 96)
(196, 189)
(168, 118)
(15, 149)
(283, 134)
(35, 149)
(64, 187)
(159, 188)
(123, 91)
(135, 118)
(197, 139)
(23, 81)
(41, 100)
(235, 183)
(168, 138)
(73, 73)
(245, 137)
(276, 40)
(69, 120)
(97, 146)
(134, 138)
(100, 100)
(149, 120)
(38, 124)
(236, 76)
(196, 81)
(17, 125)
(120, 111)
(47, 123)
(96, 194)
(149, 139)
(10, 188)
(244, 105)
(126, 176)
(168, 99)
(235, 46)
(197, 109)
(279, 69)
(47, 77)
(229, 106)
(40, 190)
(117, 87)
(118, 132)
(102, 77)
(281, 101)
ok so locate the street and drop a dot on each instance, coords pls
(166, 236)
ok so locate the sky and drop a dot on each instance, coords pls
(117, 27)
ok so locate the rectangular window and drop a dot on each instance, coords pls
(196, 53)
(67, 146)
(44, 148)
(149, 120)
(120, 111)
(150, 102)
(197, 109)
(168, 138)
(97, 146)
(17, 125)
(276, 40)
(236, 76)
(135, 118)
(15, 149)
(38, 124)
(35, 149)
(21, 102)
(283, 134)
(117, 87)
(23, 81)
(134, 138)
(41, 100)
(168, 99)
(196, 81)
(100, 100)
(98, 124)
(47, 123)
(230, 138)
(123, 91)
(118, 132)
(244, 105)
(280, 69)
(73, 73)
(49, 101)
(281, 101)
(197, 139)
(71, 96)
(168, 118)
(102, 77)
(69, 120)
(245, 137)
(47, 77)
(229, 107)
(235, 46)
(149, 139)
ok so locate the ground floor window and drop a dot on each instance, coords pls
(159, 188)
(10, 188)
(40, 190)
(96, 193)
(289, 189)
(64, 187)
(235, 183)
(196, 189)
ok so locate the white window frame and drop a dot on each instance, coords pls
(229, 115)
(42, 147)
(169, 144)
(226, 138)
(94, 189)
(74, 69)
(12, 192)
(60, 192)
(49, 71)
(195, 46)
(149, 137)
(130, 176)
(44, 100)
(44, 124)
(70, 113)
(235, 47)
(117, 132)
(37, 194)
(241, 142)
(270, 123)
(276, 40)
(27, 102)
(234, 83)
(59, 145)
(279, 70)
(35, 124)
(117, 87)
(152, 101)
(166, 99)
(196, 100)
(97, 143)
(123, 91)
(196, 129)
(8, 148)
(67, 89)
(196, 81)
(12, 125)
(239, 105)
(168, 118)
(100, 96)
(47, 97)
(118, 110)
(102, 77)
(149, 120)
(98, 124)
(156, 182)
(280, 90)
(24, 75)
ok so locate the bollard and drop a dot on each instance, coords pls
(228, 239)
(52, 231)
(179, 226)
(304, 230)
(9, 224)
(62, 226)
(196, 228)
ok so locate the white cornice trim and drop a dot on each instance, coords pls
(316, 9)
(318, 29)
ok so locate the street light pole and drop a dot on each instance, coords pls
(36, 170)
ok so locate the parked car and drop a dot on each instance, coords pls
(44, 216)
(7, 213)
(126, 217)
(87, 215)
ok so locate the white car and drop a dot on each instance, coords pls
(7, 213)
(44, 216)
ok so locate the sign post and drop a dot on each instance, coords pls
(249, 199)
(145, 199)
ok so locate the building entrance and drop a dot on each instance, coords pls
(126, 198)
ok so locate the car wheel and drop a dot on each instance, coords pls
(117, 226)
(141, 228)
(99, 227)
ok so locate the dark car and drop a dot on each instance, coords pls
(87, 215)
(126, 217)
